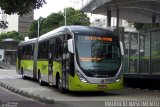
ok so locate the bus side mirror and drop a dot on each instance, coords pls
(70, 45)
(122, 49)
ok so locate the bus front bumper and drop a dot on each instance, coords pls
(82, 86)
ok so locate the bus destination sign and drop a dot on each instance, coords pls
(94, 38)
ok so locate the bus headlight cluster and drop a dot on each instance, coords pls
(117, 80)
(81, 77)
(119, 77)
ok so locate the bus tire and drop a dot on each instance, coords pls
(41, 83)
(59, 84)
(22, 73)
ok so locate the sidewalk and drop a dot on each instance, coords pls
(25, 88)
(7, 66)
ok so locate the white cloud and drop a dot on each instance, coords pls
(58, 5)
(51, 7)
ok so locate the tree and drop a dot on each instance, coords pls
(76, 17)
(13, 34)
(33, 29)
(55, 20)
(20, 7)
(52, 22)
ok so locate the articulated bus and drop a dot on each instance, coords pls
(76, 58)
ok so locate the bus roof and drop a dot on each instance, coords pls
(28, 42)
(82, 30)
(87, 30)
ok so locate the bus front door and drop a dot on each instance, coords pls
(64, 66)
(52, 46)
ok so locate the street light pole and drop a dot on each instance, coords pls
(38, 28)
(65, 17)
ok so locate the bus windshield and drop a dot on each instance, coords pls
(98, 56)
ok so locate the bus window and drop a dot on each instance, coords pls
(43, 50)
(58, 48)
(20, 52)
(26, 52)
(51, 48)
(32, 51)
(23, 52)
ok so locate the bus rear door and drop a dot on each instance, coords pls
(50, 60)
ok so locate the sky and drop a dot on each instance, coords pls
(59, 5)
(51, 7)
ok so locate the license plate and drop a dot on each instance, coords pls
(102, 86)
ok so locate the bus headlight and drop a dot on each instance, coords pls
(119, 78)
(81, 77)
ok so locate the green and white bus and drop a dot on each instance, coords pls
(76, 58)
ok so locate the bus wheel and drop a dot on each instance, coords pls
(40, 79)
(60, 87)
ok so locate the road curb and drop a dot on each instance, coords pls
(27, 94)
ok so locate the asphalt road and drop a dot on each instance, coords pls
(126, 97)
(9, 99)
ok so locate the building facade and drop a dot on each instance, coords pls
(17, 23)
(12, 23)
(24, 23)
(8, 46)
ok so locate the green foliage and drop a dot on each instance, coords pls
(76, 17)
(55, 20)
(52, 22)
(33, 29)
(13, 34)
(20, 7)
